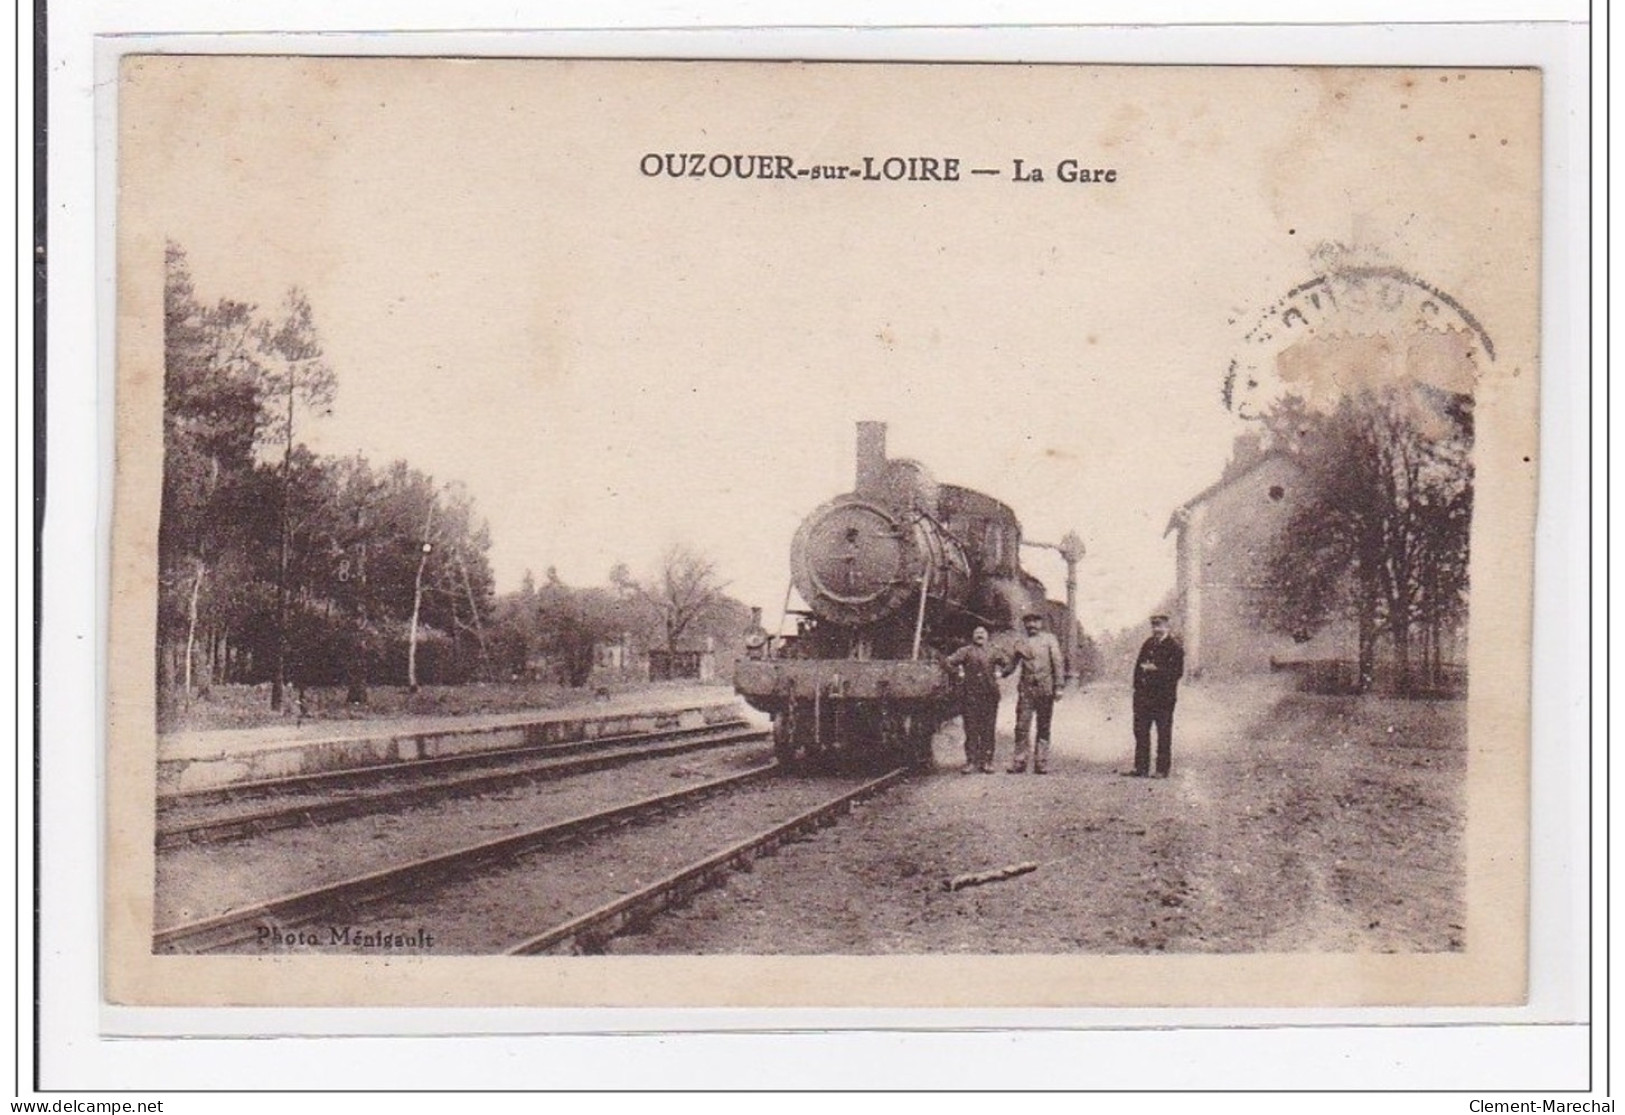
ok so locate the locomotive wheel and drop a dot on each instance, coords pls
(880, 739)
(900, 750)
(796, 743)
(921, 730)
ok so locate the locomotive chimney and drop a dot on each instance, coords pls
(871, 457)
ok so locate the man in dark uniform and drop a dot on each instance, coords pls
(1157, 670)
(979, 667)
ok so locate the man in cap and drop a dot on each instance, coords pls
(1042, 671)
(979, 668)
(1157, 670)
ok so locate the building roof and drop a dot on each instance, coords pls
(1181, 514)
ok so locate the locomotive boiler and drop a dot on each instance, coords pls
(895, 574)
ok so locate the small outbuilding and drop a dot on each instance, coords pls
(694, 660)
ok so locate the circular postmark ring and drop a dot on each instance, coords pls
(1351, 301)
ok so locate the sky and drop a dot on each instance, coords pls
(613, 362)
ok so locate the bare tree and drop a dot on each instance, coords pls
(1383, 538)
(464, 580)
(683, 590)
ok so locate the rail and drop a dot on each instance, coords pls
(375, 771)
(592, 931)
(242, 925)
(239, 825)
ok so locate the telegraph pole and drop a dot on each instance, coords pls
(424, 551)
(1071, 550)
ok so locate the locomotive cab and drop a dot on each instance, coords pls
(894, 574)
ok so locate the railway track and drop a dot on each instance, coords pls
(216, 815)
(412, 887)
(592, 932)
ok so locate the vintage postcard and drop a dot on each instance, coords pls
(599, 533)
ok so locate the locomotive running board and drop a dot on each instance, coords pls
(874, 679)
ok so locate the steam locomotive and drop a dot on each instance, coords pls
(895, 574)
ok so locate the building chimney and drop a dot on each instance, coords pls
(871, 457)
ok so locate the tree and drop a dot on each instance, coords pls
(275, 563)
(684, 589)
(463, 579)
(211, 420)
(513, 630)
(557, 622)
(1382, 537)
(406, 557)
(297, 378)
(1088, 664)
(571, 622)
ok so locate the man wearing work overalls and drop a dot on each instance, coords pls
(1042, 671)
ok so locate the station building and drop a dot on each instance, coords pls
(1224, 536)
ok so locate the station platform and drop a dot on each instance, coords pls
(205, 760)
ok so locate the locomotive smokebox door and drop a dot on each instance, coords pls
(854, 559)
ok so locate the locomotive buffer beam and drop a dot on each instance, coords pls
(783, 680)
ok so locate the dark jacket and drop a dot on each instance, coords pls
(982, 667)
(1159, 686)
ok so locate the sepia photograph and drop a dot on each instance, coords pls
(629, 532)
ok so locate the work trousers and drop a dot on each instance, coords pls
(1029, 706)
(979, 718)
(1146, 714)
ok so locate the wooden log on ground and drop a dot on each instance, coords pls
(960, 882)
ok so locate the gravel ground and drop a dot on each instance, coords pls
(1290, 823)
(497, 909)
(200, 881)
